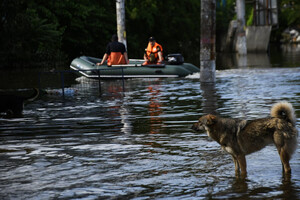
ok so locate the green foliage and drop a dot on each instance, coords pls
(37, 31)
(40, 30)
(25, 36)
(224, 14)
(289, 17)
(290, 12)
(250, 17)
(175, 25)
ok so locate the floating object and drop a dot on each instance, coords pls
(59, 92)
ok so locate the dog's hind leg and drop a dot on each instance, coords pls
(285, 149)
(285, 160)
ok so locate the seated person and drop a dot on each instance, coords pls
(153, 53)
(115, 53)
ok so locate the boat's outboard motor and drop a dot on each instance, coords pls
(175, 59)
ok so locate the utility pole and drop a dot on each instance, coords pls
(120, 8)
(208, 41)
(241, 43)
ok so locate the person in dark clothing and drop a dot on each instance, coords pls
(115, 53)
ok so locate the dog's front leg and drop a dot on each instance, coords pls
(243, 165)
(236, 165)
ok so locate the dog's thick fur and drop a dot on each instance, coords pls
(240, 137)
(12, 105)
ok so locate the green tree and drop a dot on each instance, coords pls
(88, 25)
(25, 36)
(35, 31)
(290, 15)
(175, 25)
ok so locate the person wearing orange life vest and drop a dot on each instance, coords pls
(153, 53)
(115, 53)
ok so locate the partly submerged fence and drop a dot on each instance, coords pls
(61, 79)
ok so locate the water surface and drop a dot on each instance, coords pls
(138, 144)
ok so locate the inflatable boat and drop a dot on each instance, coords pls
(173, 67)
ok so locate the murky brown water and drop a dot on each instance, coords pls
(139, 145)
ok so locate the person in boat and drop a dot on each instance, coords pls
(153, 53)
(115, 53)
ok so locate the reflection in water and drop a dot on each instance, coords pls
(286, 55)
(116, 92)
(155, 109)
(240, 185)
(250, 188)
(261, 60)
(125, 119)
(292, 50)
(289, 189)
(210, 99)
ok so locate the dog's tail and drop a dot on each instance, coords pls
(284, 110)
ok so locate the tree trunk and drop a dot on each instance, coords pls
(120, 8)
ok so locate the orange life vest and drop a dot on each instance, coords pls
(153, 50)
(116, 58)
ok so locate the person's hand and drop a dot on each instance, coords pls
(99, 64)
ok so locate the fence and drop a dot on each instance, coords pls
(64, 78)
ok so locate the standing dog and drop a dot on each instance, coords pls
(240, 137)
(13, 105)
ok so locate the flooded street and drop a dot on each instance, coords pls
(138, 144)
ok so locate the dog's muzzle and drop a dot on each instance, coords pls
(197, 127)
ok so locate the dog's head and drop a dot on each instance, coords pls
(204, 122)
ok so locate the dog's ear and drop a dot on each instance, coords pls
(211, 119)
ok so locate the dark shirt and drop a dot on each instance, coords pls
(115, 47)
